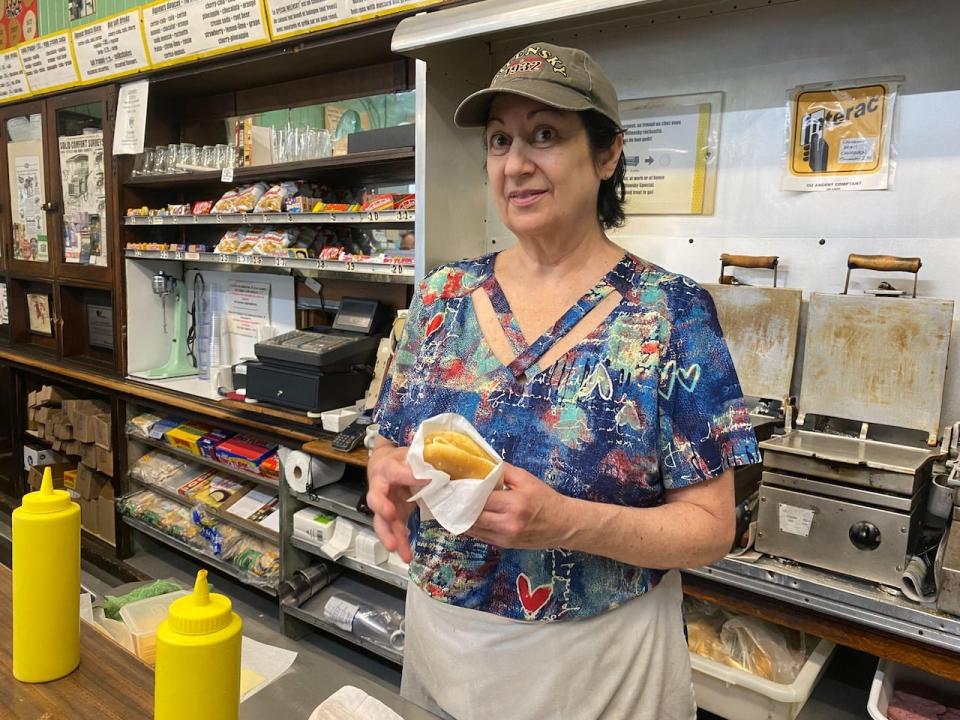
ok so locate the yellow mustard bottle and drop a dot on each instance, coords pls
(46, 584)
(198, 658)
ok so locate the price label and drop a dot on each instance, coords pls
(193, 256)
(226, 175)
(138, 253)
(280, 261)
(155, 220)
(243, 259)
(404, 215)
(349, 266)
(256, 259)
(164, 255)
(396, 269)
(178, 255)
(373, 217)
(224, 258)
(321, 264)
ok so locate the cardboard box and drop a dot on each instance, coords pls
(209, 442)
(106, 515)
(104, 461)
(88, 514)
(32, 399)
(244, 453)
(88, 482)
(88, 454)
(43, 415)
(32, 418)
(57, 444)
(39, 455)
(51, 395)
(75, 408)
(103, 430)
(161, 427)
(73, 447)
(83, 428)
(35, 476)
(186, 437)
(63, 431)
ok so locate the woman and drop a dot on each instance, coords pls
(619, 420)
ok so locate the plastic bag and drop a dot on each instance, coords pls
(156, 468)
(240, 200)
(704, 623)
(763, 649)
(141, 424)
(273, 199)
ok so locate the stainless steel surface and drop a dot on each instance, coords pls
(876, 360)
(868, 463)
(948, 579)
(843, 597)
(818, 531)
(760, 327)
(840, 492)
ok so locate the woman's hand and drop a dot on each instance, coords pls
(529, 514)
(390, 483)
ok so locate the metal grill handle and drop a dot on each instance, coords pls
(883, 263)
(760, 262)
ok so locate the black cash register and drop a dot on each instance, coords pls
(323, 367)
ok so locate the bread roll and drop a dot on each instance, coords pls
(457, 455)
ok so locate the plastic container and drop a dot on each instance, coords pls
(46, 584)
(198, 658)
(889, 674)
(339, 419)
(142, 618)
(739, 695)
(113, 629)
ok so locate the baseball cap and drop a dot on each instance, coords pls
(561, 77)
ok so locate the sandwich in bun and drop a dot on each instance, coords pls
(457, 455)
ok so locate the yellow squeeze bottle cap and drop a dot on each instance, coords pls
(201, 612)
(46, 499)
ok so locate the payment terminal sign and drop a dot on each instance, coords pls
(840, 137)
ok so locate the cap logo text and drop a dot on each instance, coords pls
(531, 60)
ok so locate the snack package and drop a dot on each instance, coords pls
(140, 425)
(764, 649)
(273, 199)
(456, 505)
(273, 242)
(202, 207)
(248, 242)
(157, 468)
(240, 200)
(228, 243)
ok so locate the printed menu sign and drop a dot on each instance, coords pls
(178, 30)
(48, 63)
(13, 81)
(294, 17)
(110, 48)
(355, 8)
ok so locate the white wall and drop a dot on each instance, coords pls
(755, 57)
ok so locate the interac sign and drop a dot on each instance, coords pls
(840, 136)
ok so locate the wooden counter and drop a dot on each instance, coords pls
(110, 684)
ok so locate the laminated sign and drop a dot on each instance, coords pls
(840, 136)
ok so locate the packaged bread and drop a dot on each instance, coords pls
(457, 455)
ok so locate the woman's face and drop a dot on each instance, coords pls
(541, 168)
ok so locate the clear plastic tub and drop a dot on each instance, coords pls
(113, 629)
(739, 695)
(890, 673)
(142, 619)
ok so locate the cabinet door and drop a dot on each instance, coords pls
(25, 227)
(83, 224)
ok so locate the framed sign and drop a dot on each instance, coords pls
(38, 312)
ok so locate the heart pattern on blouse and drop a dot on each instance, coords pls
(533, 600)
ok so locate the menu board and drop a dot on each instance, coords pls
(180, 30)
(296, 17)
(13, 81)
(355, 9)
(48, 63)
(110, 48)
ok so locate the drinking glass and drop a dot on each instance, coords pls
(173, 165)
(208, 157)
(160, 161)
(186, 156)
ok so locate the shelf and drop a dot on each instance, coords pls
(311, 612)
(190, 385)
(221, 515)
(375, 571)
(322, 448)
(379, 218)
(349, 269)
(340, 498)
(392, 166)
(839, 596)
(225, 469)
(224, 567)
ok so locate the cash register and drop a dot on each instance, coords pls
(320, 368)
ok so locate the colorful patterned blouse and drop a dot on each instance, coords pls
(647, 402)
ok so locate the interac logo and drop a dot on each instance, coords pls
(530, 60)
